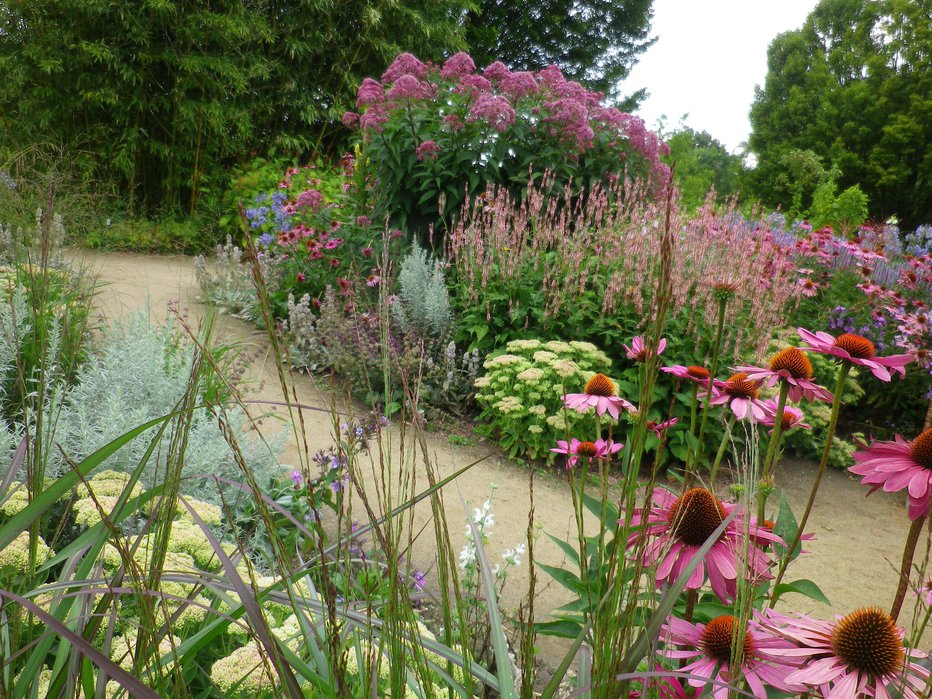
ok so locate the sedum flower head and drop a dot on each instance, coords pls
(108, 483)
(15, 556)
(211, 514)
(522, 345)
(86, 512)
(246, 670)
(16, 500)
(123, 649)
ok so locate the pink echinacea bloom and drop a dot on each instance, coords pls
(599, 393)
(576, 450)
(861, 654)
(638, 351)
(792, 366)
(899, 465)
(677, 527)
(857, 350)
(707, 651)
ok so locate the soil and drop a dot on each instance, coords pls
(854, 558)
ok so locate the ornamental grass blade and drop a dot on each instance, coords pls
(506, 680)
(21, 521)
(133, 685)
(253, 611)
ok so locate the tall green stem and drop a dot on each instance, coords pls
(773, 449)
(726, 438)
(832, 424)
(692, 461)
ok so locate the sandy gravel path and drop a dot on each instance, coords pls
(854, 558)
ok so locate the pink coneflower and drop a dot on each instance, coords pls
(678, 526)
(692, 373)
(859, 655)
(638, 351)
(658, 686)
(857, 350)
(793, 366)
(740, 393)
(576, 450)
(899, 465)
(373, 280)
(659, 427)
(709, 651)
(808, 288)
(792, 416)
(599, 393)
(333, 243)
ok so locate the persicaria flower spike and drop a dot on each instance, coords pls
(899, 465)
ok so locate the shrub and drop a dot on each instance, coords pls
(433, 135)
(521, 393)
(138, 374)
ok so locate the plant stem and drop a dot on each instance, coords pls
(773, 449)
(692, 596)
(692, 461)
(912, 539)
(832, 424)
(726, 438)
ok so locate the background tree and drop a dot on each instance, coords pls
(593, 41)
(162, 96)
(854, 87)
(702, 163)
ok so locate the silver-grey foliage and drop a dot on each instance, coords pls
(139, 374)
(424, 305)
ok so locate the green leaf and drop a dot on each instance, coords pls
(562, 628)
(803, 587)
(571, 553)
(566, 578)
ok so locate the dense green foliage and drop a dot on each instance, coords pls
(852, 86)
(595, 42)
(164, 96)
(701, 164)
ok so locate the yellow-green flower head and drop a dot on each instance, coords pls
(531, 375)
(544, 357)
(522, 345)
(535, 429)
(123, 649)
(187, 537)
(559, 347)
(14, 557)
(86, 512)
(584, 347)
(108, 483)
(538, 410)
(244, 669)
(482, 382)
(509, 404)
(565, 367)
(16, 500)
(370, 656)
(209, 513)
(289, 633)
(556, 422)
(191, 615)
(503, 360)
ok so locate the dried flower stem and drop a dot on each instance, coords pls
(909, 550)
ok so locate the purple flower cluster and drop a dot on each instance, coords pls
(494, 99)
(428, 149)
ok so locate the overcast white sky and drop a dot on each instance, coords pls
(708, 57)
